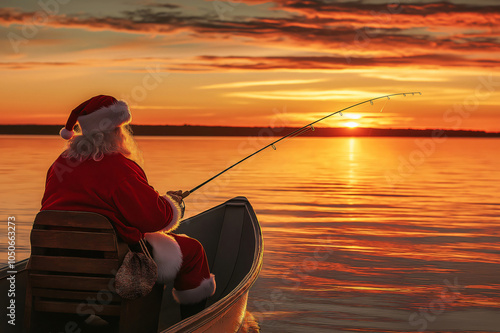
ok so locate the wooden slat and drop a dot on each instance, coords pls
(69, 282)
(75, 240)
(109, 297)
(73, 219)
(74, 264)
(66, 307)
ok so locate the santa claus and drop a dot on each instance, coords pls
(99, 172)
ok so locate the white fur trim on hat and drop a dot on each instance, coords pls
(65, 134)
(191, 296)
(176, 213)
(167, 255)
(105, 119)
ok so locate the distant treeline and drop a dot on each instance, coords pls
(189, 130)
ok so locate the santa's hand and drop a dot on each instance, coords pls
(178, 195)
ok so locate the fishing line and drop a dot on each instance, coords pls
(300, 131)
(383, 106)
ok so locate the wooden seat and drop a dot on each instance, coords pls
(74, 258)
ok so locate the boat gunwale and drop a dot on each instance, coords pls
(19, 267)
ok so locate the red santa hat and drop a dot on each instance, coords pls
(100, 113)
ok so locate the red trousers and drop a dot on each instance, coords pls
(194, 268)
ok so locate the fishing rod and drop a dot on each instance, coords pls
(297, 132)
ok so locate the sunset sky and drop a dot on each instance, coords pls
(253, 62)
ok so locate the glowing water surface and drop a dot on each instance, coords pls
(361, 234)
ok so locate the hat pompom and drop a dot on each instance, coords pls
(65, 134)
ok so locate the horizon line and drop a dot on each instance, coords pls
(284, 127)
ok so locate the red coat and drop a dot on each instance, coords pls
(115, 187)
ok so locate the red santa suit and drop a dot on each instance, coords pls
(117, 188)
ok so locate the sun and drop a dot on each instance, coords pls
(351, 124)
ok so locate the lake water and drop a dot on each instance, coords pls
(361, 234)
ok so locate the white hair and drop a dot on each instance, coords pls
(99, 143)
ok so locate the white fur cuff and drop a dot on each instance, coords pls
(176, 214)
(167, 255)
(106, 118)
(198, 294)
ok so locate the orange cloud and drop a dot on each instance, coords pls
(462, 35)
(331, 63)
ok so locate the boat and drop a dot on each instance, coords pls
(232, 238)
